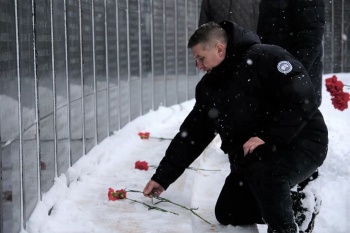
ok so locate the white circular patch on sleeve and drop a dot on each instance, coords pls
(284, 67)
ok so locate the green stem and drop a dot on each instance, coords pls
(152, 207)
(161, 138)
(201, 169)
(200, 217)
(161, 199)
(192, 168)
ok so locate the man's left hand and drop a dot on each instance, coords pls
(251, 144)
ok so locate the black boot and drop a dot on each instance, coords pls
(318, 203)
(306, 206)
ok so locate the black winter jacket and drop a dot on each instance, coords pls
(298, 27)
(258, 90)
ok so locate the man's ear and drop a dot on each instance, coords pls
(221, 49)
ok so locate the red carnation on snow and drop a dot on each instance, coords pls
(340, 101)
(141, 165)
(334, 86)
(116, 195)
(144, 135)
(340, 98)
(121, 194)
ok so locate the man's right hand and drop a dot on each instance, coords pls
(152, 189)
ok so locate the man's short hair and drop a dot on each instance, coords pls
(208, 34)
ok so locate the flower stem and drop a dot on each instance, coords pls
(161, 199)
(192, 168)
(152, 207)
(161, 138)
(201, 169)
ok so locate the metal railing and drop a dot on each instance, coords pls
(73, 72)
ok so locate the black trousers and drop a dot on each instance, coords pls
(258, 188)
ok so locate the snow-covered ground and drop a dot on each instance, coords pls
(83, 206)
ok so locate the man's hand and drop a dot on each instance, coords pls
(152, 189)
(251, 144)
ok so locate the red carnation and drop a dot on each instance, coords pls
(340, 101)
(340, 98)
(115, 195)
(142, 165)
(144, 135)
(334, 86)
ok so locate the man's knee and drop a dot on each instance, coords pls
(225, 218)
(236, 217)
(222, 214)
(222, 218)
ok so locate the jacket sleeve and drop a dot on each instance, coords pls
(194, 136)
(308, 20)
(291, 98)
(204, 13)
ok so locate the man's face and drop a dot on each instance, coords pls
(208, 57)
